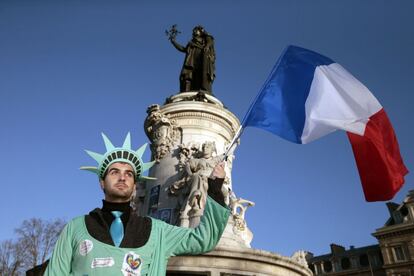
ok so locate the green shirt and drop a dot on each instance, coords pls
(78, 253)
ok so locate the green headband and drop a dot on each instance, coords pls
(122, 154)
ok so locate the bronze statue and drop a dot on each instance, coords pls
(198, 70)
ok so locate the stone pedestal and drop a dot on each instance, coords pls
(237, 261)
(177, 131)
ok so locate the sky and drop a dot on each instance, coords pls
(71, 69)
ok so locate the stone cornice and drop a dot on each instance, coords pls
(199, 114)
(200, 106)
(399, 264)
(201, 110)
(394, 230)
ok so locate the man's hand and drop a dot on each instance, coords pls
(218, 171)
(215, 183)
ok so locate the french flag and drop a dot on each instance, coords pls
(308, 95)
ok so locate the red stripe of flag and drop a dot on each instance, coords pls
(378, 159)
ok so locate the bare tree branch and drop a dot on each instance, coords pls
(10, 258)
(35, 239)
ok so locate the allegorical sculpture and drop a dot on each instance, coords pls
(198, 70)
(162, 132)
(194, 185)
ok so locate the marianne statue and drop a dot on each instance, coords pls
(198, 70)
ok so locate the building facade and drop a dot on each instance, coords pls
(396, 238)
(354, 261)
(392, 256)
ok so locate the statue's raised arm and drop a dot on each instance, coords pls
(172, 34)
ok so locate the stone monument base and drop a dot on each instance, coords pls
(225, 261)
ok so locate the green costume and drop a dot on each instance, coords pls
(78, 253)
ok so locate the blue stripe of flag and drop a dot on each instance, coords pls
(280, 105)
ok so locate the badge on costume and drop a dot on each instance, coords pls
(102, 262)
(131, 266)
(85, 247)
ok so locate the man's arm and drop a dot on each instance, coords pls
(61, 260)
(203, 238)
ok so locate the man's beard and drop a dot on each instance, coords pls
(119, 195)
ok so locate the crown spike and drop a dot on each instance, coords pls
(108, 144)
(91, 169)
(141, 150)
(146, 166)
(143, 178)
(98, 157)
(127, 142)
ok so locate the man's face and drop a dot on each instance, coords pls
(119, 183)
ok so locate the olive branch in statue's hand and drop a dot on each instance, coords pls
(173, 32)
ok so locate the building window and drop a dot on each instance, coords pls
(380, 259)
(376, 259)
(318, 268)
(345, 263)
(312, 268)
(327, 266)
(337, 266)
(399, 253)
(363, 260)
(354, 261)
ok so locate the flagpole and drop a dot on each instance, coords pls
(236, 136)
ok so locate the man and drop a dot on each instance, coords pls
(113, 240)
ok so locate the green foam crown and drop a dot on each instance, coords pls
(120, 154)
